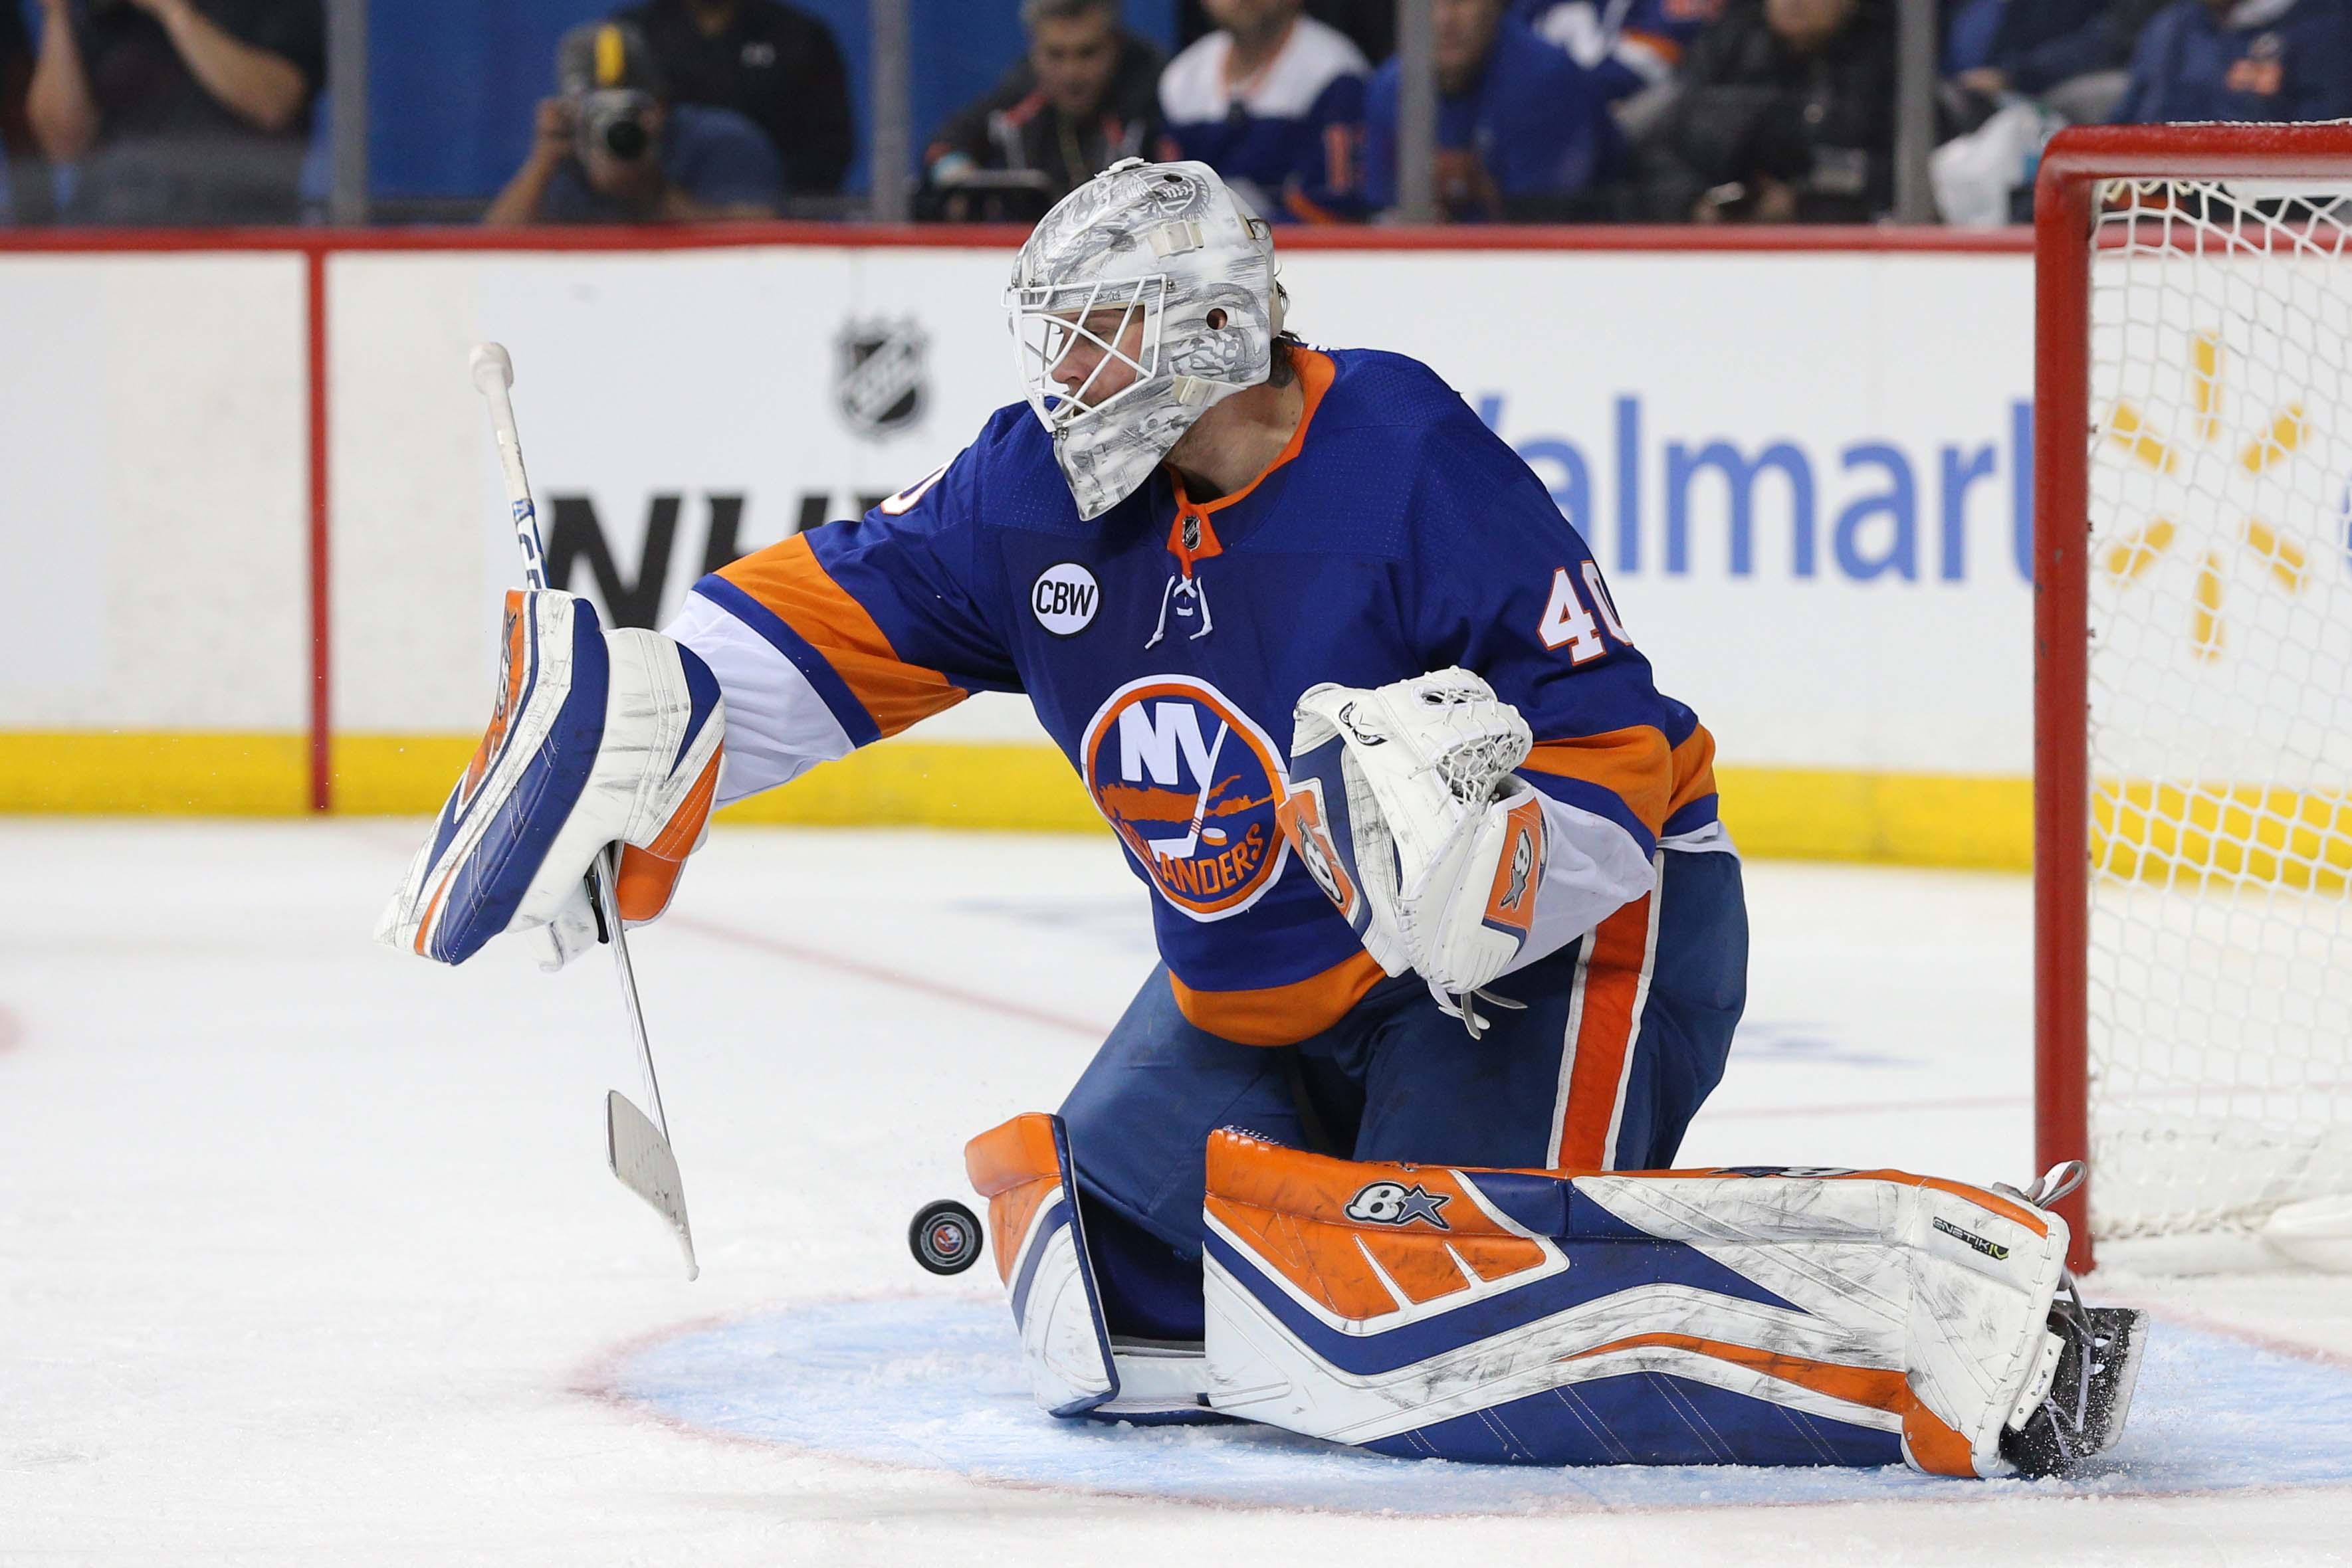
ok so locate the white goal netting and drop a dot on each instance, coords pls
(2221, 704)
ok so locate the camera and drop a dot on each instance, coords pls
(614, 121)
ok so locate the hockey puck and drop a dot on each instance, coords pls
(945, 1236)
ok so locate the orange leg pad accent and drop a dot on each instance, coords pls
(1886, 1301)
(649, 876)
(1014, 1168)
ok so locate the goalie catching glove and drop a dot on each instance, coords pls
(1406, 810)
(598, 738)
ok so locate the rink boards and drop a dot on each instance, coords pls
(254, 515)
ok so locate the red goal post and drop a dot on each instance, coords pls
(2163, 191)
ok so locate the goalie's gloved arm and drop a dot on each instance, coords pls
(850, 633)
(598, 738)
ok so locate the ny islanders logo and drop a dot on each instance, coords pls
(1191, 786)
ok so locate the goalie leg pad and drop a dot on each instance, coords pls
(1534, 1317)
(1037, 1224)
(598, 738)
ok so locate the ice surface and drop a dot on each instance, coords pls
(940, 1384)
(308, 1255)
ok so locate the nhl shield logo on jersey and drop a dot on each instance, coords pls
(880, 371)
(1191, 784)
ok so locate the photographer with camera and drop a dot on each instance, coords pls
(611, 148)
(179, 112)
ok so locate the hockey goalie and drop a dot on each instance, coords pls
(1451, 941)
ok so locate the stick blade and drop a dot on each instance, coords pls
(641, 1158)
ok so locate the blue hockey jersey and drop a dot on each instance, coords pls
(1165, 644)
(2264, 59)
(1533, 123)
(1291, 137)
(1627, 45)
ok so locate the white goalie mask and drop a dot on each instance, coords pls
(1144, 297)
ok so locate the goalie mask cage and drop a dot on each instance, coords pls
(2193, 679)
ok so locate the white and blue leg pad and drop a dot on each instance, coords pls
(597, 738)
(1076, 1367)
(1698, 1317)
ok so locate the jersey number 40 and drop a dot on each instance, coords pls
(1569, 623)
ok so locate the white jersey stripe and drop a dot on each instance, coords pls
(1640, 1006)
(778, 728)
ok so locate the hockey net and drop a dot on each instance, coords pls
(2194, 707)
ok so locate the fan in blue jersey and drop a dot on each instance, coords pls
(2243, 61)
(1523, 130)
(1274, 101)
(1446, 919)
(1627, 45)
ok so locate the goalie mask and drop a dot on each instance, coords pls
(1143, 298)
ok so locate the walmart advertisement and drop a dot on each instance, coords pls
(1807, 475)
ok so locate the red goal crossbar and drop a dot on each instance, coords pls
(2067, 198)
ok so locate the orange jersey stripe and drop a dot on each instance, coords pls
(1302, 206)
(1694, 766)
(1666, 49)
(1653, 780)
(788, 579)
(1608, 1019)
(1279, 1015)
(1634, 763)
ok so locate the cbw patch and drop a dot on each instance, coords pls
(1064, 599)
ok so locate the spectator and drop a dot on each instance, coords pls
(2243, 61)
(1628, 45)
(1523, 131)
(1369, 24)
(179, 112)
(1787, 114)
(775, 65)
(611, 148)
(2068, 54)
(1085, 97)
(20, 174)
(1274, 103)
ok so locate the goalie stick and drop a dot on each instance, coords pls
(637, 1147)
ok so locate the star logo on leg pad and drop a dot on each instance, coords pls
(1393, 1203)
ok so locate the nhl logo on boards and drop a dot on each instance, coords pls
(1393, 1203)
(1064, 599)
(881, 379)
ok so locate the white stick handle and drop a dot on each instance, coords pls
(493, 370)
(493, 373)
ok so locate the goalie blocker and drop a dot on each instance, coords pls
(1755, 1317)
(598, 738)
